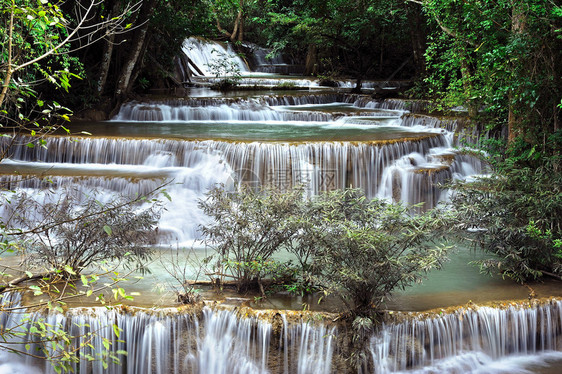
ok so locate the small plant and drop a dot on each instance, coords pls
(358, 249)
(179, 265)
(517, 214)
(225, 69)
(287, 84)
(365, 249)
(71, 232)
(330, 73)
(301, 281)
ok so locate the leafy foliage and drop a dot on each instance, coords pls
(517, 215)
(225, 69)
(30, 33)
(367, 248)
(349, 36)
(248, 228)
(358, 249)
(498, 57)
(69, 234)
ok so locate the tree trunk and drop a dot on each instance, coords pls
(417, 36)
(236, 24)
(241, 30)
(556, 125)
(467, 84)
(107, 52)
(513, 120)
(311, 63)
(135, 49)
(139, 64)
(358, 85)
(9, 70)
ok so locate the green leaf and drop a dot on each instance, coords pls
(166, 195)
(36, 290)
(107, 229)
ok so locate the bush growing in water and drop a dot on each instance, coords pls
(248, 228)
(517, 214)
(226, 70)
(367, 248)
(346, 244)
(73, 233)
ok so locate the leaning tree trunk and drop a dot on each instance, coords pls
(236, 25)
(135, 49)
(8, 63)
(241, 30)
(139, 65)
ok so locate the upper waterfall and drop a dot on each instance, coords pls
(205, 53)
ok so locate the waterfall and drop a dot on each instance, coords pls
(263, 63)
(252, 108)
(401, 168)
(470, 340)
(320, 165)
(322, 141)
(413, 106)
(264, 108)
(229, 341)
(204, 53)
(172, 341)
(222, 109)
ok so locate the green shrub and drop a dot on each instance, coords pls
(358, 249)
(516, 215)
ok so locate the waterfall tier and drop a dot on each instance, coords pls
(484, 339)
(206, 54)
(324, 141)
(220, 341)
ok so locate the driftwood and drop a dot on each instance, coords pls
(190, 61)
(24, 278)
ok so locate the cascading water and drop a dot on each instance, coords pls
(266, 62)
(489, 340)
(474, 339)
(206, 58)
(325, 141)
(205, 54)
(171, 341)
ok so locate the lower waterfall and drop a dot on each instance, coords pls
(214, 341)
